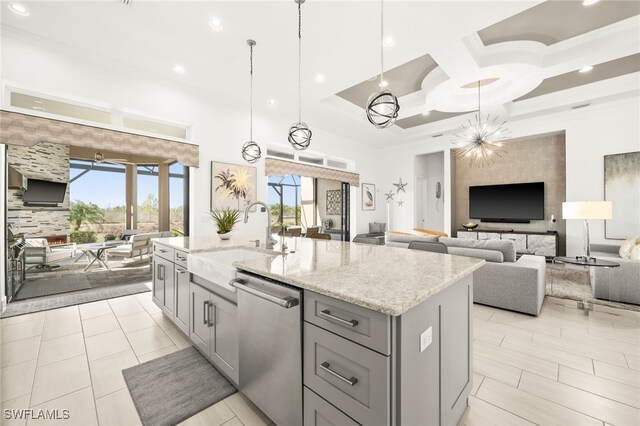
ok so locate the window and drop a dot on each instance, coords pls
(176, 198)
(337, 164)
(97, 193)
(64, 109)
(148, 212)
(280, 154)
(152, 126)
(312, 160)
(284, 200)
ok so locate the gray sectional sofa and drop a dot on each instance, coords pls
(621, 284)
(504, 281)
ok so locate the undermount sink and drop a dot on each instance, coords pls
(217, 266)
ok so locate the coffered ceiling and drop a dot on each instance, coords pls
(532, 48)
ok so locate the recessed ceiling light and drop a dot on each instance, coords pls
(426, 113)
(388, 42)
(319, 78)
(179, 69)
(384, 83)
(589, 2)
(585, 69)
(272, 102)
(216, 24)
(18, 9)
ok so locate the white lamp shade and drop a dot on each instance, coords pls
(587, 210)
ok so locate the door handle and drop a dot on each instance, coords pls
(287, 302)
(212, 313)
(205, 313)
(327, 315)
(327, 367)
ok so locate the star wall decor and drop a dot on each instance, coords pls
(400, 203)
(389, 195)
(400, 186)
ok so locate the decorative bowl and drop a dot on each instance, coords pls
(469, 226)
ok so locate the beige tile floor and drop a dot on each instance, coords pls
(561, 368)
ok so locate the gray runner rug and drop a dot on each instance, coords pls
(172, 388)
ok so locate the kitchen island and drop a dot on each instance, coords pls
(370, 334)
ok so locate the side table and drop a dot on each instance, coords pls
(585, 305)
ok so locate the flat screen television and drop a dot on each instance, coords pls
(513, 203)
(44, 193)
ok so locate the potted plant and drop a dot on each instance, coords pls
(225, 220)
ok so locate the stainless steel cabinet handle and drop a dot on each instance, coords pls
(326, 367)
(327, 315)
(180, 257)
(287, 302)
(181, 271)
(212, 313)
(205, 312)
(162, 251)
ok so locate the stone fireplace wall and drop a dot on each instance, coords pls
(44, 161)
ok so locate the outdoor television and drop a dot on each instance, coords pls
(44, 193)
(513, 203)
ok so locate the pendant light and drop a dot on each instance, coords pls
(480, 141)
(251, 151)
(299, 133)
(382, 106)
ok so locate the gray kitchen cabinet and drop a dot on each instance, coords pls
(224, 336)
(163, 283)
(214, 329)
(181, 311)
(157, 289)
(200, 332)
(318, 412)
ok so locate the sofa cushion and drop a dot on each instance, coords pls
(628, 245)
(488, 255)
(506, 247)
(407, 238)
(377, 228)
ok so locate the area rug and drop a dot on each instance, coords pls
(572, 283)
(38, 304)
(54, 285)
(172, 388)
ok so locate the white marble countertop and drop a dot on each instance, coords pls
(200, 244)
(390, 280)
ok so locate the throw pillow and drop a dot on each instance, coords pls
(627, 246)
(377, 228)
(635, 253)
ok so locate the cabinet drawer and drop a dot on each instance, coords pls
(180, 258)
(318, 412)
(488, 236)
(520, 240)
(542, 245)
(163, 252)
(351, 377)
(467, 235)
(364, 326)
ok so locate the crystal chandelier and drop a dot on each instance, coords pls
(480, 142)
(251, 150)
(299, 133)
(382, 106)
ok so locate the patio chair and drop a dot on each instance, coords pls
(137, 246)
(39, 254)
(320, 236)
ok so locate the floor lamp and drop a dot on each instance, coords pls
(586, 210)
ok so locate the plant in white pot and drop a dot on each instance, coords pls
(225, 220)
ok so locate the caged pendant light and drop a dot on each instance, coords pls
(382, 106)
(480, 142)
(251, 151)
(299, 133)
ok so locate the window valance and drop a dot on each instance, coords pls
(277, 167)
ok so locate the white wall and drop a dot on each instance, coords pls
(3, 229)
(591, 133)
(218, 127)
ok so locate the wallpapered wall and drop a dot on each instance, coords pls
(44, 161)
(324, 185)
(529, 159)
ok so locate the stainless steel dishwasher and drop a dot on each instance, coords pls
(270, 347)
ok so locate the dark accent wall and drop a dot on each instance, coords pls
(538, 158)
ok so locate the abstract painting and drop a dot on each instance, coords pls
(368, 196)
(622, 188)
(334, 201)
(233, 186)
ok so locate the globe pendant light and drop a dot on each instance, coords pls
(251, 151)
(382, 107)
(299, 133)
(480, 142)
